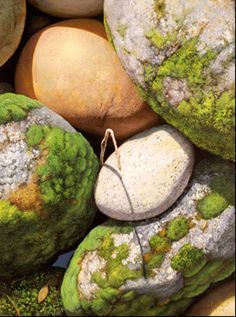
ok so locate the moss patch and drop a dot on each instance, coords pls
(15, 107)
(19, 298)
(205, 116)
(34, 222)
(177, 228)
(222, 195)
(188, 260)
(212, 205)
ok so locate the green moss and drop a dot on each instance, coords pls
(19, 298)
(212, 205)
(155, 261)
(222, 195)
(161, 41)
(15, 107)
(187, 259)
(59, 174)
(159, 244)
(65, 176)
(206, 116)
(177, 228)
(224, 185)
(117, 273)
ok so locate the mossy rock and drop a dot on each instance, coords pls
(34, 295)
(156, 267)
(180, 54)
(47, 172)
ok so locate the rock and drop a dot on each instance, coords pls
(181, 56)
(21, 297)
(5, 87)
(219, 301)
(69, 8)
(12, 22)
(90, 89)
(47, 174)
(155, 169)
(157, 267)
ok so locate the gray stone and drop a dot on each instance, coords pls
(155, 287)
(180, 54)
(155, 169)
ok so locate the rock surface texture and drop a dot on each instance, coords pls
(69, 8)
(90, 88)
(155, 169)
(12, 22)
(47, 174)
(156, 268)
(181, 56)
(35, 295)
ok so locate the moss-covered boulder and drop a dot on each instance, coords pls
(35, 295)
(47, 174)
(156, 268)
(181, 56)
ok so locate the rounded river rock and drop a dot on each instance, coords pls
(155, 169)
(180, 54)
(158, 267)
(47, 175)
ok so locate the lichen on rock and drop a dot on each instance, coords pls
(182, 61)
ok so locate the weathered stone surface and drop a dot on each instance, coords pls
(181, 56)
(155, 169)
(157, 267)
(47, 174)
(12, 22)
(69, 8)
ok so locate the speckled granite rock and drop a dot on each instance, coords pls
(181, 56)
(156, 268)
(155, 169)
(35, 295)
(12, 22)
(47, 174)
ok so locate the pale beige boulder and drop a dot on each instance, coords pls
(72, 68)
(69, 8)
(155, 167)
(220, 301)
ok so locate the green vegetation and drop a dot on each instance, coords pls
(189, 260)
(177, 228)
(15, 107)
(205, 116)
(21, 297)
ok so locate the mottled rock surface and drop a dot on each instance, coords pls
(12, 22)
(181, 56)
(155, 169)
(69, 8)
(47, 174)
(157, 267)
